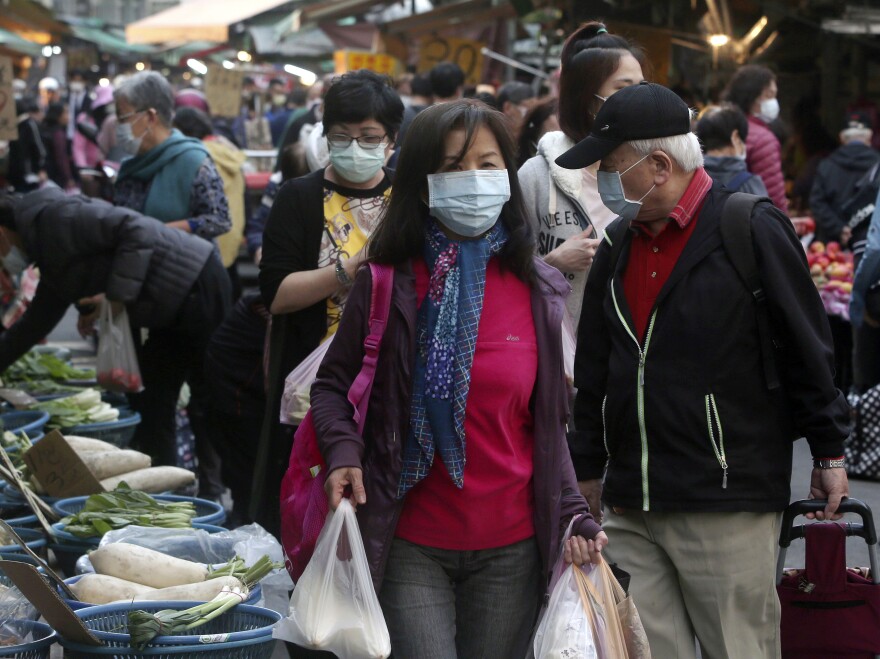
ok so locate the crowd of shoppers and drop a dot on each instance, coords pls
(506, 213)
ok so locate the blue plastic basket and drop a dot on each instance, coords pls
(207, 512)
(68, 539)
(253, 597)
(255, 648)
(26, 521)
(241, 623)
(27, 421)
(119, 432)
(33, 538)
(44, 638)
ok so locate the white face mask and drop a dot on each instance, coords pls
(468, 203)
(126, 140)
(769, 110)
(15, 261)
(614, 197)
(357, 164)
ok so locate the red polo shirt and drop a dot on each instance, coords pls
(652, 258)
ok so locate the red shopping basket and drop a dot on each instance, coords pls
(828, 610)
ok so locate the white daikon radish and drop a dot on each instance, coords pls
(106, 464)
(86, 444)
(145, 566)
(153, 480)
(203, 591)
(103, 589)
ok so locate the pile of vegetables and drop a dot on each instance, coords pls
(43, 366)
(83, 408)
(124, 571)
(123, 506)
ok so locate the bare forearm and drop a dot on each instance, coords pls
(300, 290)
(183, 225)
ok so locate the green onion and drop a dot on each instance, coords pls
(144, 627)
(249, 576)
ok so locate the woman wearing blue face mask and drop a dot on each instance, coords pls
(462, 477)
(312, 245)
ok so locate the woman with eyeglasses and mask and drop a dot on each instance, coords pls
(462, 479)
(313, 243)
(563, 206)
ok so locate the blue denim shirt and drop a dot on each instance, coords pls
(869, 269)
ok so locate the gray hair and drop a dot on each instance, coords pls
(684, 150)
(147, 90)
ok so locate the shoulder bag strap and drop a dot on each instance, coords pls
(380, 305)
(736, 233)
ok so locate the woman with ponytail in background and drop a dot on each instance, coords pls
(563, 206)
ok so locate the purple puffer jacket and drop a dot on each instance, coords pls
(557, 498)
(764, 159)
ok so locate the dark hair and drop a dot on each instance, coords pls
(446, 78)
(362, 95)
(589, 57)
(247, 80)
(298, 96)
(192, 122)
(716, 125)
(53, 114)
(487, 98)
(746, 85)
(401, 233)
(531, 128)
(420, 85)
(26, 104)
(276, 81)
(515, 92)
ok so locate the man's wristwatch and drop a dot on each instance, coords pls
(341, 275)
(829, 463)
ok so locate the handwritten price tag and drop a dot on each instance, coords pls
(223, 91)
(58, 468)
(466, 53)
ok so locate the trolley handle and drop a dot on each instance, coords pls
(847, 505)
(858, 530)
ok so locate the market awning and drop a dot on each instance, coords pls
(333, 10)
(11, 41)
(202, 20)
(31, 21)
(314, 42)
(107, 41)
(456, 14)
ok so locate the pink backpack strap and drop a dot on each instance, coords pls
(380, 306)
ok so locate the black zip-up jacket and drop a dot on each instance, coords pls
(683, 417)
(835, 184)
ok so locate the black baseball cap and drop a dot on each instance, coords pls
(639, 112)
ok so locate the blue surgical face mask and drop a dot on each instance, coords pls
(468, 203)
(357, 164)
(613, 196)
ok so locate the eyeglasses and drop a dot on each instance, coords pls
(340, 141)
(122, 118)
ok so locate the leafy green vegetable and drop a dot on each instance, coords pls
(38, 366)
(79, 409)
(123, 506)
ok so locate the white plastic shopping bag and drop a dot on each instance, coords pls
(565, 630)
(116, 362)
(296, 399)
(334, 605)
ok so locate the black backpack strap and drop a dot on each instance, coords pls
(736, 232)
(737, 181)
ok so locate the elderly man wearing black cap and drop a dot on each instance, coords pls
(675, 397)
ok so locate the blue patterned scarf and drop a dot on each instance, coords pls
(445, 342)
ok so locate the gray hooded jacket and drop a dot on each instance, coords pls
(552, 200)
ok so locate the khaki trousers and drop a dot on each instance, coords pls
(709, 575)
